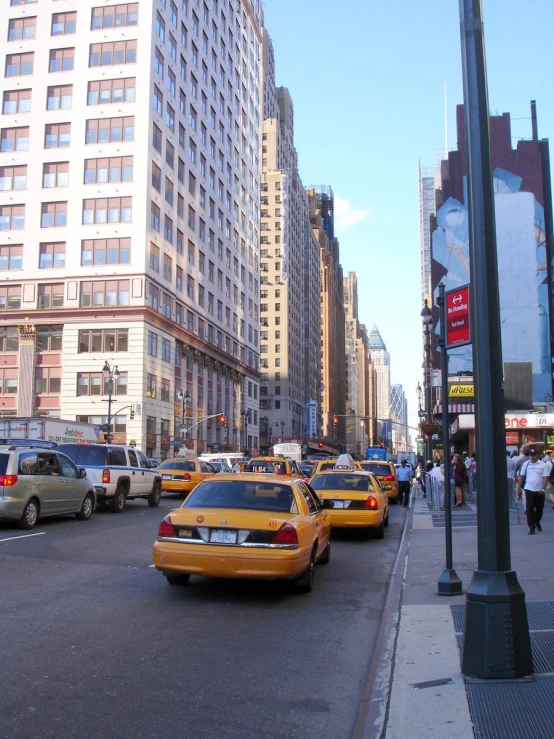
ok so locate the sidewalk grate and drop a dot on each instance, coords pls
(540, 615)
(512, 710)
(542, 646)
(459, 615)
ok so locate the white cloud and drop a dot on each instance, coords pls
(347, 216)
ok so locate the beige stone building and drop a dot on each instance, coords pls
(289, 277)
(332, 343)
(129, 217)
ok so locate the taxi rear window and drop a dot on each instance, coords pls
(172, 465)
(243, 495)
(275, 468)
(340, 481)
(327, 465)
(377, 469)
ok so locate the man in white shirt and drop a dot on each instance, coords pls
(404, 476)
(533, 477)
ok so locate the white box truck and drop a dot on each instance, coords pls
(43, 428)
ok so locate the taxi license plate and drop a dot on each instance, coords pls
(185, 533)
(341, 503)
(223, 536)
(166, 477)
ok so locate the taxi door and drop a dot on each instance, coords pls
(318, 515)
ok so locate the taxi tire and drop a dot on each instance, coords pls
(156, 495)
(177, 579)
(117, 503)
(387, 520)
(305, 583)
(326, 556)
(86, 509)
(379, 531)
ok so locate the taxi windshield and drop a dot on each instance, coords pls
(266, 465)
(341, 481)
(243, 494)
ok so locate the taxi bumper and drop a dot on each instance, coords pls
(355, 518)
(230, 561)
(178, 486)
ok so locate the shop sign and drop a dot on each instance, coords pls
(512, 437)
(457, 317)
(461, 390)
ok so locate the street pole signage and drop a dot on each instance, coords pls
(457, 317)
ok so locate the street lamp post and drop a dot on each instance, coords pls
(245, 418)
(264, 424)
(110, 378)
(427, 320)
(184, 397)
(282, 430)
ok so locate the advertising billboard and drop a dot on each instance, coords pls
(311, 419)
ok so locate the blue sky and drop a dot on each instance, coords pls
(367, 81)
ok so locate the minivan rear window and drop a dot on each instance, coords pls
(4, 459)
(84, 455)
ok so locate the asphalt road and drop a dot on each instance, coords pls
(95, 643)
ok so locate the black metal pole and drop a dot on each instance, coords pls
(428, 398)
(110, 391)
(496, 627)
(449, 583)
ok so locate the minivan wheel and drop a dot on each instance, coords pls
(119, 499)
(155, 495)
(86, 509)
(30, 515)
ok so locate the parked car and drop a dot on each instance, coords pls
(183, 475)
(36, 482)
(118, 473)
(273, 465)
(245, 526)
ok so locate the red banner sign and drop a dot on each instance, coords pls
(457, 317)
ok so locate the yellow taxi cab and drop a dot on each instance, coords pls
(328, 464)
(274, 466)
(183, 475)
(260, 526)
(354, 498)
(385, 473)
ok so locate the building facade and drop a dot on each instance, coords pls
(399, 416)
(129, 221)
(380, 358)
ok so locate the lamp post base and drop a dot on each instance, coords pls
(449, 583)
(497, 644)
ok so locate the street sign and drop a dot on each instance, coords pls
(457, 317)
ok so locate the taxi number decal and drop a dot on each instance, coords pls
(185, 532)
(273, 525)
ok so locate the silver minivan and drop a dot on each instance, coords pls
(36, 482)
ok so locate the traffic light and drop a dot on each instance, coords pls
(132, 414)
(335, 420)
(223, 420)
(320, 445)
(381, 443)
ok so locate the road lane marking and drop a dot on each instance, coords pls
(151, 565)
(23, 536)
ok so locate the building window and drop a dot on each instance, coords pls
(59, 97)
(160, 27)
(151, 384)
(104, 292)
(102, 92)
(105, 251)
(157, 100)
(166, 350)
(152, 344)
(48, 380)
(168, 268)
(11, 257)
(13, 178)
(50, 296)
(64, 23)
(61, 60)
(154, 257)
(16, 101)
(165, 390)
(15, 139)
(169, 154)
(156, 138)
(112, 53)
(9, 339)
(57, 135)
(154, 217)
(112, 169)
(92, 383)
(8, 381)
(12, 217)
(22, 28)
(10, 297)
(170, 118)
(54, 215)
(19, 64)
(168, 229)
(103, 340)
(110, 130)
(52, 255)
(114, 16)
(55, 174)
(107, 210)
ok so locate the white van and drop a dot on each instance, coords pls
(229, 457)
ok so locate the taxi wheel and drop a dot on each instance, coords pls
(326, 556)
(387, 520)
(177, 579)
(155, 495)
(379, 532)
(305, 583)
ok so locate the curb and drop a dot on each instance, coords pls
(372, 713)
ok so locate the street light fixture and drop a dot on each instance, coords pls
(184, 397)
(427, 320)
(110, 379)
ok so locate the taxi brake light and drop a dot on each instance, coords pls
(186, 477)
(286, 535)
(8, 480)
(371, 503)
(166, 528)
(389, 478)
(105, 476)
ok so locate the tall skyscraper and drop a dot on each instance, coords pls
(427, 186)
(129, 215)
(399, 414)
(333, 389)
(380, 359)
(289, 297)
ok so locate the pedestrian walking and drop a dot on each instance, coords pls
(532, 480)
(468, 462)
(458, 475)
(404, 476)
(549, 461)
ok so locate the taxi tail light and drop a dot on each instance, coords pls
(166, 528)
(105, 476)
(371, 503)
(286, 535)
(389, 478)
(8, 480)
(186, 477)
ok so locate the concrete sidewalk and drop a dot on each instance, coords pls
(428, 696)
